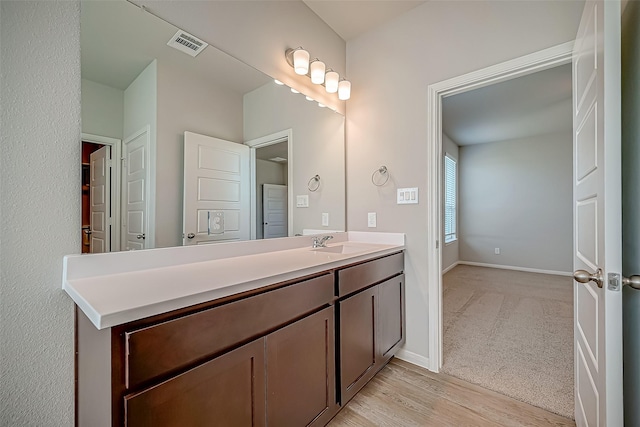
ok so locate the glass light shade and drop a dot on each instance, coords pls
(331, 81)
(301, 61)
(344, 90)
(294, 91)
(317, 72)
(278, 82)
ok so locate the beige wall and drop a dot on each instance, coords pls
(186, 103)
(391, 68)
(318, 148)
(517, 196)
(102, 109)
(40, 208)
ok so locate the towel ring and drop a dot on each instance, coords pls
(314, 183)
(383, 172)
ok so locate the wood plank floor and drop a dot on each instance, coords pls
(403, 394)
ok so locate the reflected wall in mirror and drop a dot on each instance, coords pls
(140, 96)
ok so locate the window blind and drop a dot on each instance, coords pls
(450, 199)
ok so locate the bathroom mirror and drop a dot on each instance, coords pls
(139, 97)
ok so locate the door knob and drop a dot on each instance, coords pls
(190, 236)
(633, 281)
(140, 236)
(584, 276)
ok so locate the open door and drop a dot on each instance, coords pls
(136, 191)
(597, 217)
(100, 200)
(216, 190)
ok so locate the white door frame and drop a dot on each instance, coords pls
(274, 138)
(538, 61)
(116, 175)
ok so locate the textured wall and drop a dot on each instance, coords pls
(40, 208)
(391, 68)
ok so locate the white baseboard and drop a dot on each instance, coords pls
(450, 267)
(509, 267)
(414, 358)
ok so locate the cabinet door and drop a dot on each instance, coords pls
(357, 342)
(390, 318)
(301, 372)
(226, 391)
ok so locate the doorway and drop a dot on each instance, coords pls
(100, 219)
(271, 186)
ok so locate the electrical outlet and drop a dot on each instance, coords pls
(497, 251)
(371, 220)
(325, 219)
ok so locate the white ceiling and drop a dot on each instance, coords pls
(535, 104)
(351, 18)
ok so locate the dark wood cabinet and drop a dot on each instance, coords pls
(371, 320)
(288, 354)
(301, 372)
(357, 342)
(390, 318)
(226, 391)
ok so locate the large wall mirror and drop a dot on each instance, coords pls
(184, 150)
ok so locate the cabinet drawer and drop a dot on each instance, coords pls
(360, 276)
(178, 343)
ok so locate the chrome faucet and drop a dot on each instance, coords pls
(320, 242)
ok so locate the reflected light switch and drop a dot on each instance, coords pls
(302, 201)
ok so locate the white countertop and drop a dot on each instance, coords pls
(120, 287)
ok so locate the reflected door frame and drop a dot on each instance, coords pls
(254, 144)
(116, 182)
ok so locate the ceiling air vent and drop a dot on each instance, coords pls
(187, 43)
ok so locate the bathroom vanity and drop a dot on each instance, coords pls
(233, 334)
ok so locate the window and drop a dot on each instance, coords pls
(450, 199)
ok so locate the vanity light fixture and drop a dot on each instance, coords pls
(331, 81)
(300, 61)
(317, 70)
(344, 90)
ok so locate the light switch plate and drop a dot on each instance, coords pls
(372, 220)
(407, 196)
(302, 201)
(325, 219)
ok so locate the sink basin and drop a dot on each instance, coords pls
(342, 249)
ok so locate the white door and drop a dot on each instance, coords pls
(216, 190)
(100, 200)
(274, 211)
(597, 216)
(135, 191)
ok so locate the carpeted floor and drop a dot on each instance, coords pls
(511, 332)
